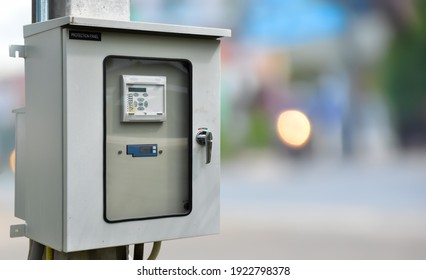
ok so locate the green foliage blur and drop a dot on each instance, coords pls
(405, 80)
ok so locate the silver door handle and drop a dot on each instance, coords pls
(205, 138)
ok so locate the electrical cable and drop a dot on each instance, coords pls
(35, 251)
(122, 252)
(138, 251)
(49, 253)
(155, 250)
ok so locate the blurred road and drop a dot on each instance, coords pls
(317, 209)
(275, 208)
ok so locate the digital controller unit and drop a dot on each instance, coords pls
(143, 98)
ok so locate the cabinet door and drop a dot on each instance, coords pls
(147, 138)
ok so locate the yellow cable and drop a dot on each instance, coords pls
(155, 250)
(49, 253)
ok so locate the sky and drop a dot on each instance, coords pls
(12, 17)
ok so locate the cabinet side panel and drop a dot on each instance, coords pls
(43, 163)
(20, 159)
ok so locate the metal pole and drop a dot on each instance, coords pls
(44, 10)
(39, 10)
(33, 11)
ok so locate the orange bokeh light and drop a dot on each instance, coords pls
(12, 160)
(294, 128)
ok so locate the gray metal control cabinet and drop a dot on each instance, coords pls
(120, 141)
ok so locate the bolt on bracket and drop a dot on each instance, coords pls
(18, 230)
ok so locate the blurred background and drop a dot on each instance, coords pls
(323, 127)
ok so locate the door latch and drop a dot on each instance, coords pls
(205, 138)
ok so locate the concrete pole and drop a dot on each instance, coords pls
(102, 9)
